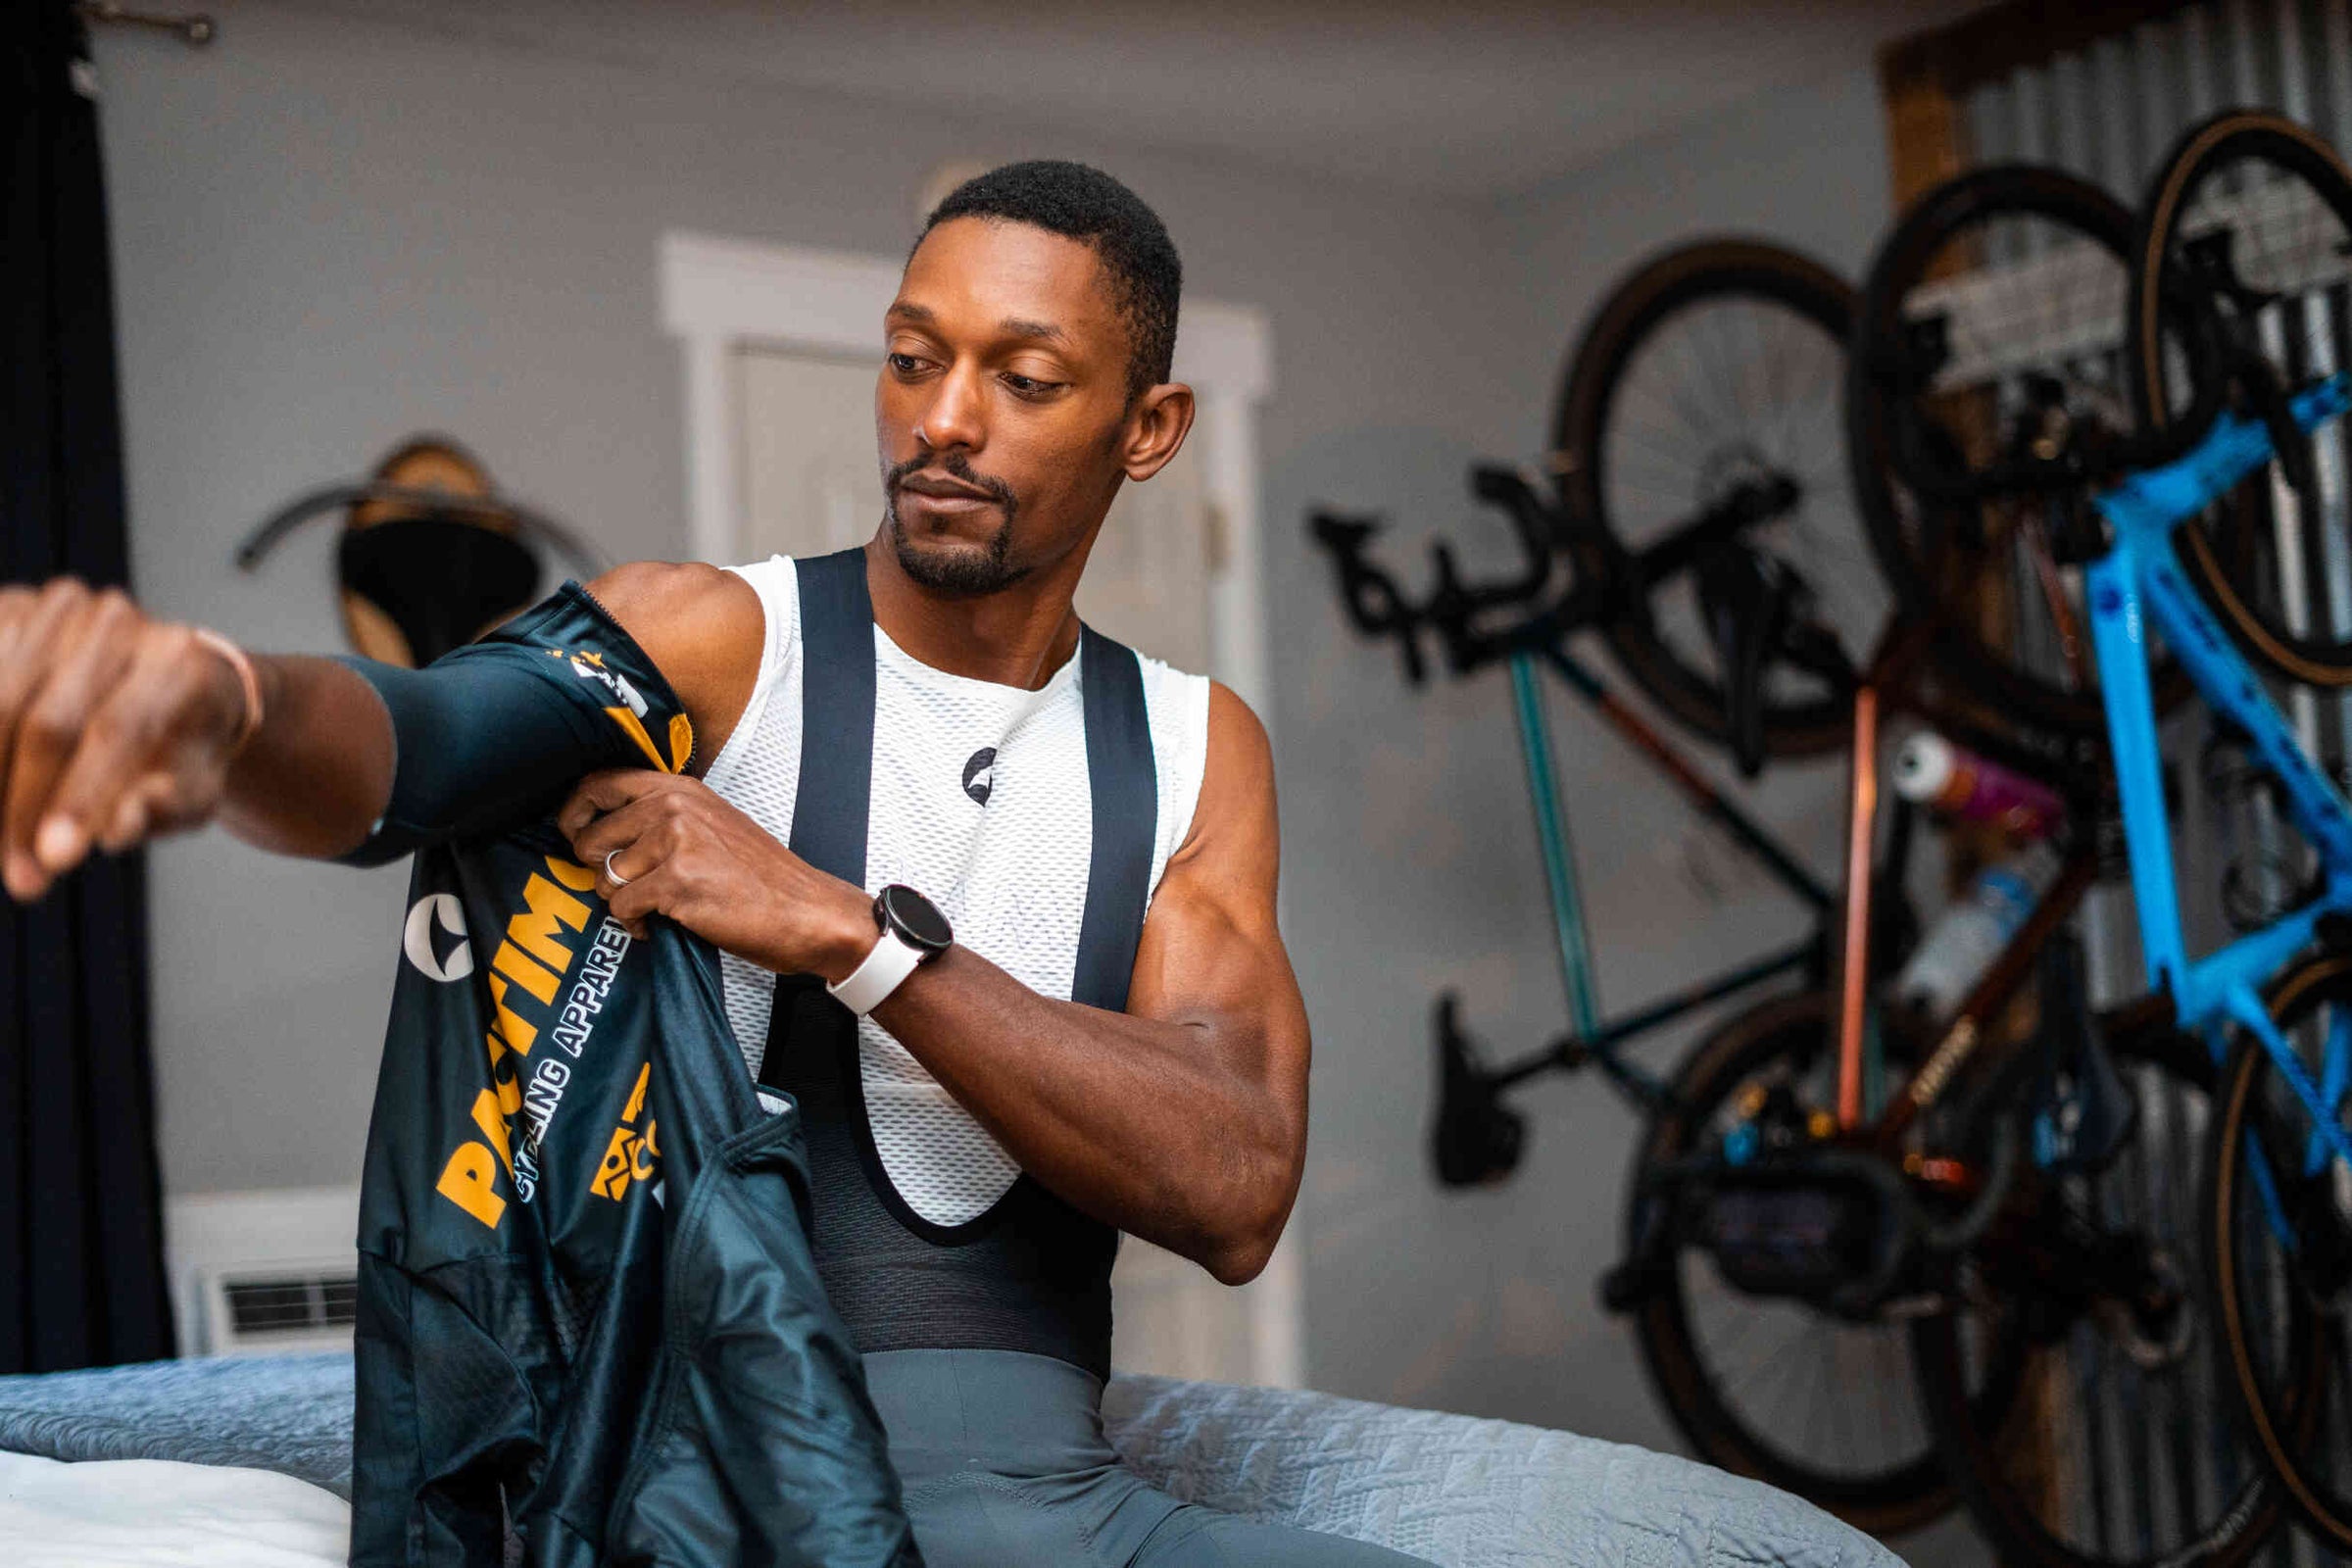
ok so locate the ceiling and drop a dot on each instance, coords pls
(1477, 98)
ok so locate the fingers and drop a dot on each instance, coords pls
(116, 757)
(154, 804)
(655, 805)
(643, 898)
(637, 821)
(33, 625)
(94, 643)
(607, 791)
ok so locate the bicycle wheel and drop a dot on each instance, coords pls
(2284, 1258)
(1817, 1404)
(1706, 388)
(1984, 390)
(2249, 225)
(2111, 1453)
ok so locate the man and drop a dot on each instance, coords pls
(986, 1135)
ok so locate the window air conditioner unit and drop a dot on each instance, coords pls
(277, 1310)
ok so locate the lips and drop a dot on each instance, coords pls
(934, 489)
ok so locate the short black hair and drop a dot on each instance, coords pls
(1114, 222)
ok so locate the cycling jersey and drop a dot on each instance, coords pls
(588, 1306)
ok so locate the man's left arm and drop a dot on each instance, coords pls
(1182, 1120)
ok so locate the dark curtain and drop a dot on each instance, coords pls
(82, 1273)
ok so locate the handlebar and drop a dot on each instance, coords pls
(1456, 604)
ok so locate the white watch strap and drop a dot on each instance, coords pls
(891, 961)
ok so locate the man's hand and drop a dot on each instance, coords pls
(114, 727)
(680, 850)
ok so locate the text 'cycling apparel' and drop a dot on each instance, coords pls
(588, 1303)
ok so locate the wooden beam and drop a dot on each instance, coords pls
(1927, 141)
(1995, 41)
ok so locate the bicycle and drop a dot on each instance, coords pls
(1765, 679)
(2252, 216)
(2228, 381)
(1776, 1195)
(1601, 553)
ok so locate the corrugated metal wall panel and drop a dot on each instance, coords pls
(2111, 114)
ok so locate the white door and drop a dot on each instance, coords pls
(811, 482)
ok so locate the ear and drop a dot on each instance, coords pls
(1156, 430)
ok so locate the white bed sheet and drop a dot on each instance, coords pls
(154, 1513)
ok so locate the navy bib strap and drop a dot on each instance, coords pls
(1031, 1274)
(837, 715)
(1125, 781)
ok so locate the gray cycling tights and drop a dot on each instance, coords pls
(1006, 1466)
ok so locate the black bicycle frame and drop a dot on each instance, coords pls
(1379, 608)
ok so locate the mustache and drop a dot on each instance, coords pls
(955, 466)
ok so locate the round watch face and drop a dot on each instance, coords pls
(915, 917)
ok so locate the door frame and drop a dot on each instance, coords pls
(719, 293)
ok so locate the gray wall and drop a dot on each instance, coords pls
(330, 233)
(1486, 1300)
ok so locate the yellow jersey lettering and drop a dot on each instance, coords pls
(502, 1078)
(517, 966)
(518, 1035)
(637, 1094)
(534, 930)
(488, 1116)
(466, 1181)
(579, 878)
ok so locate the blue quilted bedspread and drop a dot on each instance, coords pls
(1460, 1491)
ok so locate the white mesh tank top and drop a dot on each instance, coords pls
(980, 800)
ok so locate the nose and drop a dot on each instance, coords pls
(956, 415)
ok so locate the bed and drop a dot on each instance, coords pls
(192, 1453)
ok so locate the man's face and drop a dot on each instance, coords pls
(1001, 409)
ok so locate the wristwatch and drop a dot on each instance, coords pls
(913, 932)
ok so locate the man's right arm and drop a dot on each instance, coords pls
(115, 727)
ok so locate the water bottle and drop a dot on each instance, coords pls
(1944, 777)
(1965, 939)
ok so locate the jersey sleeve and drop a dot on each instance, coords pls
(494, 733)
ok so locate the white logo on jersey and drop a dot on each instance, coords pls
(416, 937)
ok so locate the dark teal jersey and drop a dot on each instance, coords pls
(587, 1302)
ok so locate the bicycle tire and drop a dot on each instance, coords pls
(1909, 1490)
(2226, 138)
(1995, 1466)
(2282, 1423)
(1936, 221)
(1688, 276)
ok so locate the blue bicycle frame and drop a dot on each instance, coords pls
(2139, 583)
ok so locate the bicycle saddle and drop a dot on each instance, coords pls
(1748, 601)
(1476, 1139)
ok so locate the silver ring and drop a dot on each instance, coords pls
(615, 877)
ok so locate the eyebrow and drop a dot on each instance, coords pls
(1011, 326)
(1042, 331)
